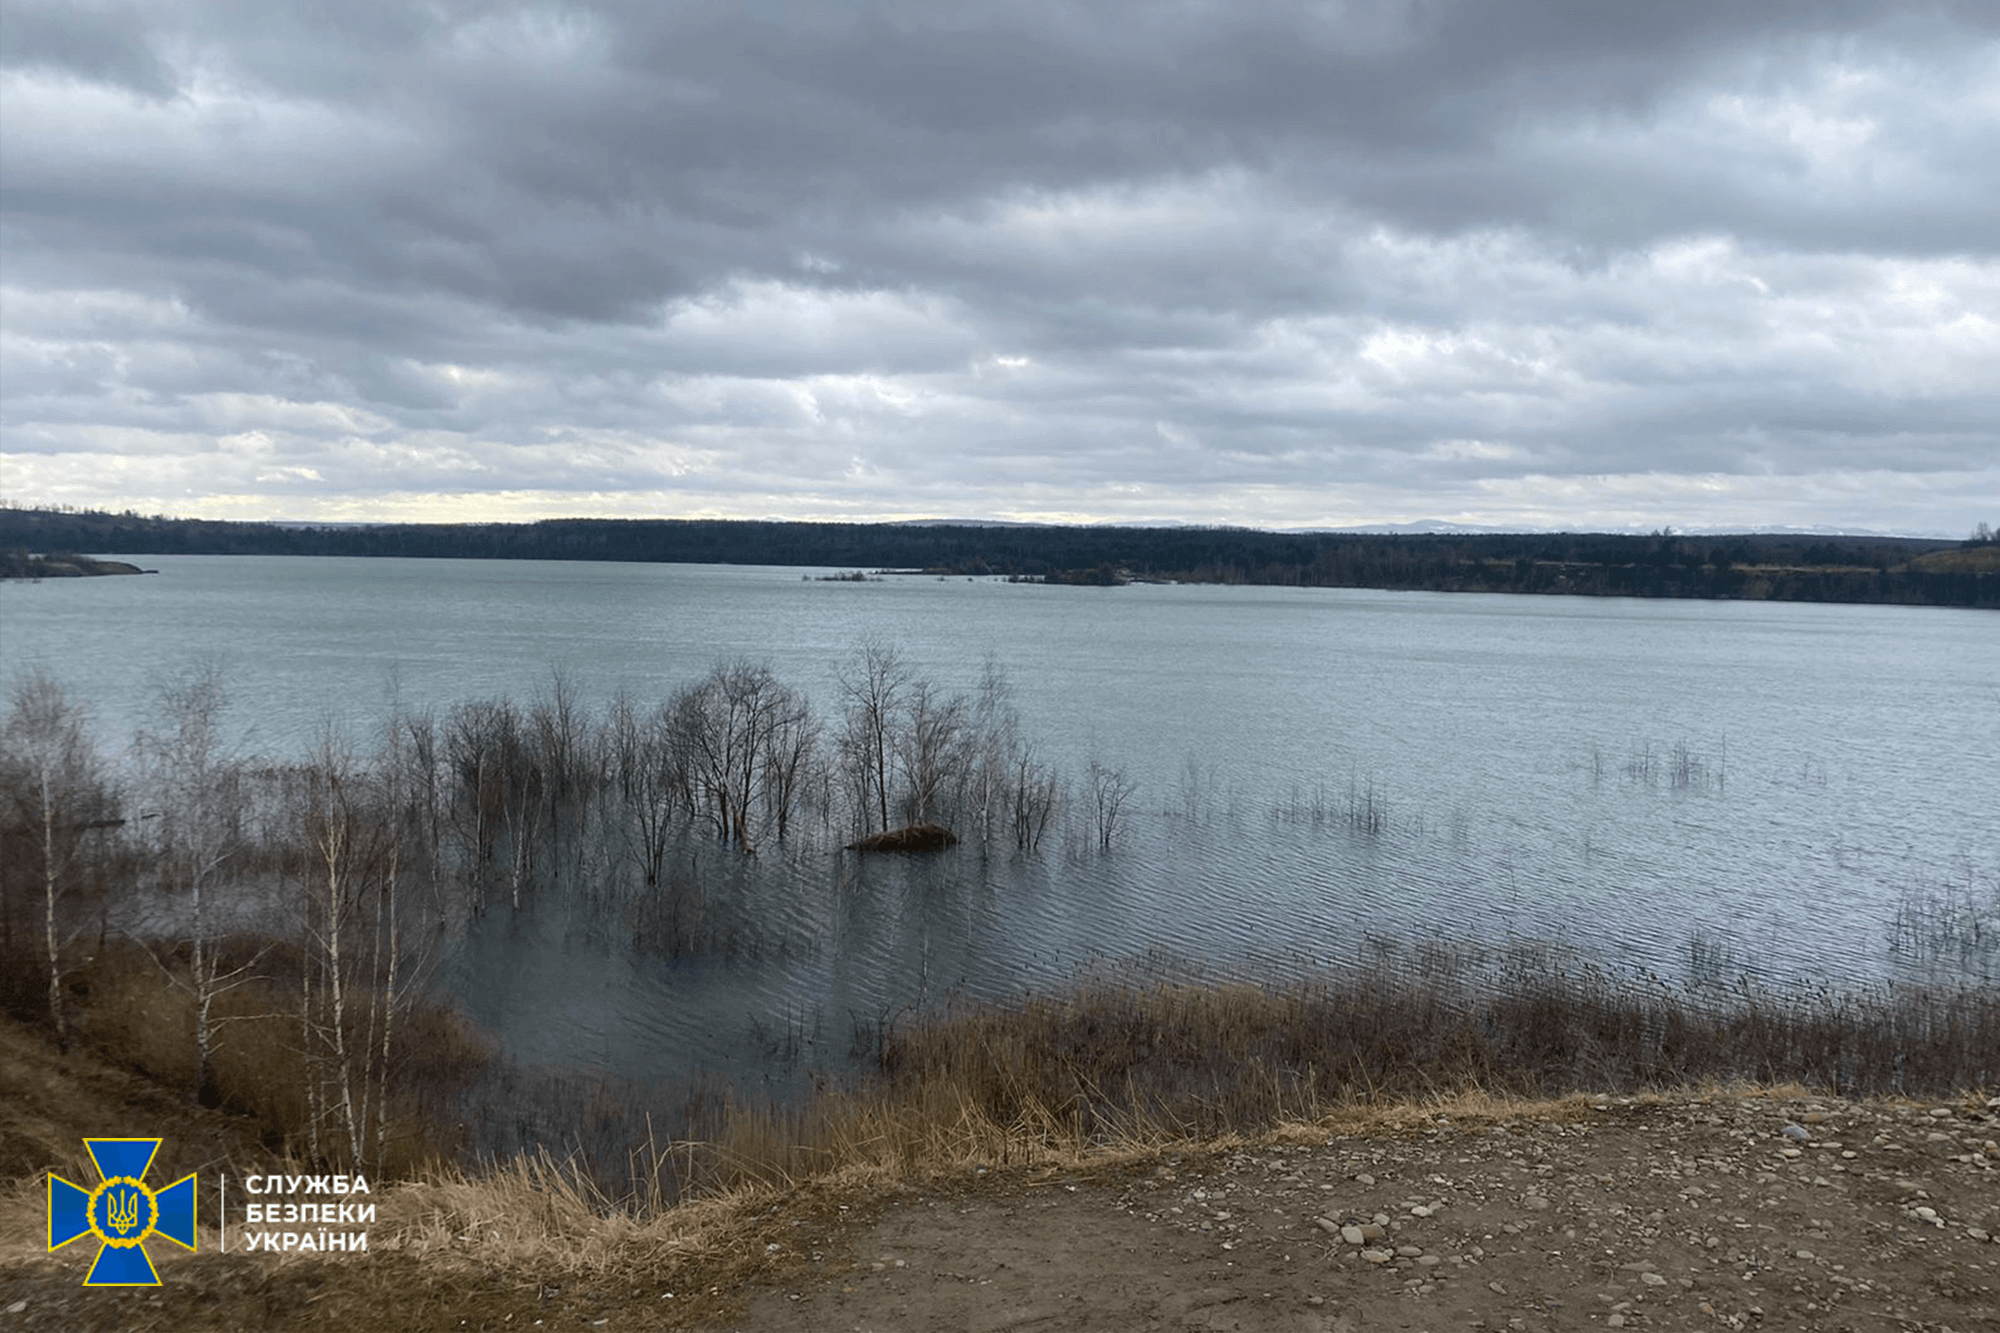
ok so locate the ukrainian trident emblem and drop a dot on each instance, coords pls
(121, 1212)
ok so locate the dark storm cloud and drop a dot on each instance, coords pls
(1314, 262)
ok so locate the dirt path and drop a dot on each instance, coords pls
(1686, 1213)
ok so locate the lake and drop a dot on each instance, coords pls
(1699, 792)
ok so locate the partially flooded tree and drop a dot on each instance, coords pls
(931, 749)
(196, 790)
(873, 690)
(475, 759)
(791, 745)
(569, 756)
(623, 741)
(357, 956)
(521, 783)
(727, 730)
(1109, 789)
(1035, 795)
(56, 794)
(993, 740)
(646, 776)
(416, 762)
(496, 805)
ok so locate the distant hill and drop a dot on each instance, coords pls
(1777, 566)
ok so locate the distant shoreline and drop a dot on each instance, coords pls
(1788, 567)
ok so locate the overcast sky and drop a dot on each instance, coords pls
(1571, 263)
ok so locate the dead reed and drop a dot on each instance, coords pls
(1107, 1066)
(1113, 1065)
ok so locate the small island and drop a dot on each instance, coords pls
(18, 564)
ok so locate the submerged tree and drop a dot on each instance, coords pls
(414, 759)
(654, 781)
(994, 735)
(1036, 793)
(873, 690)
(933, 750)
(569, 754)
(474, 756)
(736, 735)
(1109, 790)
(497, 805)
(791, 748)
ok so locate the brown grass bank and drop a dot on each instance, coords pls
(1114, 1066)
(1087, 1082)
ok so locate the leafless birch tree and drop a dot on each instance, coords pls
(196, 789)
(57, 795)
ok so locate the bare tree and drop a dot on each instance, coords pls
(873, 689)
(994, 737)
(1036, 793)
(656, 789)
(498, 808)
(521, 780)
(412, 760)
(355, 953)
(1109, 790)
(623, 744)
(931, 747)
(197, 790)
(727, 728)
(58, 794)
(790, 745)
(1196, 790)
(570, 759)
(700, 737)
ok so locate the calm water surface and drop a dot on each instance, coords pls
(1631, 781)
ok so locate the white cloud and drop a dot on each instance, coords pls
(1691, 263)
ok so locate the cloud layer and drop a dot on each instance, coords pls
(1541, 264)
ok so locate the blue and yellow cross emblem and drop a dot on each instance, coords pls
(121, 1212)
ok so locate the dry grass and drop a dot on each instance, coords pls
(1110, 1071)
(141, 1016)
(703, 1220)
(1093, 1079)
(540, 1215)
(1110, 1067)
(1960, 560)
(1122, 1063)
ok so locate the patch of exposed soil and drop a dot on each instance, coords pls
(1684, 1212)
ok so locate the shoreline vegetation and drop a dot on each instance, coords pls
(1110, 1063)
(1108, 1081)
(1776, 567)
(265, 935)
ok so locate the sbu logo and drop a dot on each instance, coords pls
(121, 1212)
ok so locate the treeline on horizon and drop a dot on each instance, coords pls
(1781, 567)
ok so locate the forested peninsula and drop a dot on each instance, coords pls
(16, 563)
(1779, 567)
